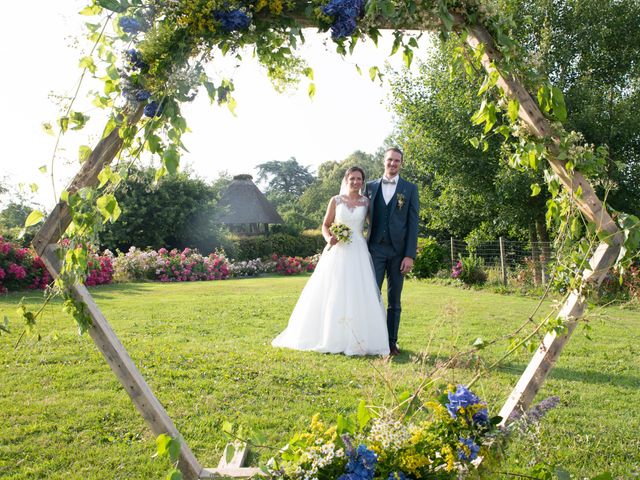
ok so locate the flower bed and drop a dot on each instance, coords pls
(20, 269)
(295, 265)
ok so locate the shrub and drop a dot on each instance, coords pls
(250, 268)
(20, 268)
(470, 270)
(430, 258)
(263, 246)
(295, 265)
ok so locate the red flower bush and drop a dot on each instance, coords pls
(20, 269)
(294, 265)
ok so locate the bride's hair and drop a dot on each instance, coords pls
(344, 188)
(350, 170)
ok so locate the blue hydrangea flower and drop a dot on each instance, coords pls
(130, 24)
(469, 450)
(461, 398)
(361, 465)
(481, 417)
(142, 95)
(345, 13)
(233, 20)
(153, 109)
(135, 59)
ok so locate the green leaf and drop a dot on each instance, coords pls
(404, 396)
(397, 41)
(514, 107)
(46, 126)
(88, 63)
(33, 187)
(308, 72)
(535, 189)
(162, 444)
(373, 71)
(78, 120)
(114, 5)
(407, 56)
(84, 152)
(108, 207)
(346, 425)
(171, 160)
(34, 217)
(63, 122)
(43, 169)
(229, 452)
(174, 475)
(475, 142)
(363, 415)
(91, 10)
(558, 105)
(312, 90)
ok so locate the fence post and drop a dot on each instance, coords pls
(453, 254)
(503, 262)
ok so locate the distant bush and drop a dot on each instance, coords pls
(470, 270)
(430, 258)
(262, 246)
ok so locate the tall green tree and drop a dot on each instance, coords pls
(287, 178)
(176, 212)
(590, 49)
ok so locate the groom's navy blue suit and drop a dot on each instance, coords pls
(392, 235)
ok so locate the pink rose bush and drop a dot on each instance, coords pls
(21, 269)
(170, 265)
(295, 265)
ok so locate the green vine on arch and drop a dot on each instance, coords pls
(152, 55)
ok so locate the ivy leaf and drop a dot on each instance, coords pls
(373, 71)
(311, 90)
(211, 90)
(84, 152)
(154, 143)
(63, 122)
(47, 128)
(514, 107)
(397, 41)
(87, 62)
(535, 189)
(558, 105)
(78, 120)
(229, 452)
(108, 207)
(34, 217)
(114, 5)
(174, 475)
(407, 56)
(171, 160)
(91, 10)
(308, 72)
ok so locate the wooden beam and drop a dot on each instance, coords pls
(588, 203)
(101, 156)
(239, 472)
(124, 368)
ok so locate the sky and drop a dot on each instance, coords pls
(348, 112)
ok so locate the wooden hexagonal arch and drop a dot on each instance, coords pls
(45, 243)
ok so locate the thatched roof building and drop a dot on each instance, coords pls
(243, 204)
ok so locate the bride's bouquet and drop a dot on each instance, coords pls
(341, 231)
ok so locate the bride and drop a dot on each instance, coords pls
(340, 309)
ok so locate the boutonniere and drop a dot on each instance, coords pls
(400, 199)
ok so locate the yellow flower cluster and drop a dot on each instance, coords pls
(197, 16)
(413, 462)
(275, 6)
(449, 458)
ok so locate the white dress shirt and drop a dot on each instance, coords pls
(389, 189)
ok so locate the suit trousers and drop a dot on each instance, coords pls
(386, 262)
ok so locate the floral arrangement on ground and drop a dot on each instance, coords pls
(446, 438)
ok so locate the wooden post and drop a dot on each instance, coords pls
(122, 365)
(503, 262)
(453, 254)
(588, 203)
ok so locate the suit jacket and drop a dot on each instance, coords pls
(403, 220)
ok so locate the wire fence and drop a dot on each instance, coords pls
(508, 256)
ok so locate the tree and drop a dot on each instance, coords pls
(288, 178)
(591, 51)
(177, 212)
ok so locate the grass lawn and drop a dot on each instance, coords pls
(205, 350)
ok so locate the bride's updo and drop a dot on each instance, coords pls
(350, 170)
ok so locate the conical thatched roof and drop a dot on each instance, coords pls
(243, 203)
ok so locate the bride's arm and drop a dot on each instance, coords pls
(329, 217)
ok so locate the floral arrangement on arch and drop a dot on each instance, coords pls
(445, 438)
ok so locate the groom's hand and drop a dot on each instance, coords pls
(406, 265)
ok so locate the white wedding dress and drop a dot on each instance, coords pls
(340, 309)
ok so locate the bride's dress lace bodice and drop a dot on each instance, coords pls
(352, 213)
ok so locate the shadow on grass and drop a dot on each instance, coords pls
(631, 382)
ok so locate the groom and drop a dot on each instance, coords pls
(393, 234)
